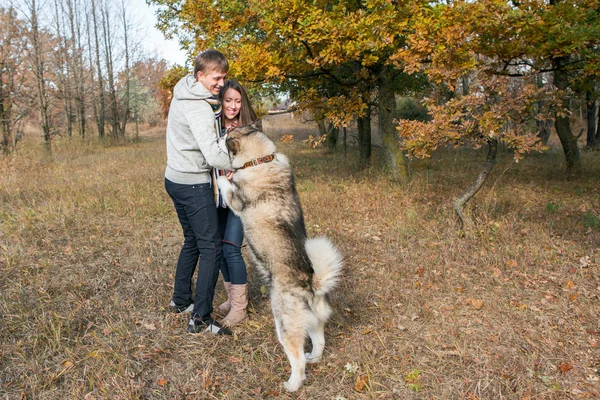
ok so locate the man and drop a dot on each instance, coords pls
(192, 152)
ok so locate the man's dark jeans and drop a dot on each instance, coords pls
(195, 206)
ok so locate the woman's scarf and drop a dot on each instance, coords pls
(217, 109)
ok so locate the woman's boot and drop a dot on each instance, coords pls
(239, 303)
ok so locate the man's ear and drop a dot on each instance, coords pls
(233, 145)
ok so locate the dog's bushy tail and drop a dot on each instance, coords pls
(326, 262)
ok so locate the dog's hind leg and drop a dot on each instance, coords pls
(292, 340)
(317, 337)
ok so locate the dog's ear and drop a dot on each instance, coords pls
(233, 145)
(256, 125)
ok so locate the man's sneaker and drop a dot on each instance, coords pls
(210, 325)
(180, 309)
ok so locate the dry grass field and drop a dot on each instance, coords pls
(89, 241)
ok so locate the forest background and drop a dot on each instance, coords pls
(392, 99)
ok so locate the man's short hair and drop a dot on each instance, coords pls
(210, 60)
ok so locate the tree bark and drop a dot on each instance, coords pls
(101, 101)
(108, 45)
(364, 138)
(543, 126)
(63, 68)
(488, 165)
(78, 69)
(332, 138)
(597, 140)
(38, 72)
(562, 123)
(90, 66)
(127, 95)
(396, 160)
(591, 118)
(12, 80)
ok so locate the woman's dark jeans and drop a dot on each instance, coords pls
(197, 213)
(233, 267)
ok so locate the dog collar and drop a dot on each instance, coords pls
(260, 160)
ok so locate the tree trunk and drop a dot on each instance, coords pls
(101, 106)
(38, 72)
(488, 165)
(78, 69)
(90, 66)
(321, 126)
(108, 45)
(543, 131)
(12, 76)
(562, 123)
(63, 70)
(127, 96)
(396, 160)
(597, 140)
(332, 138)
(591, 118)
(364, 138)
(543, 127)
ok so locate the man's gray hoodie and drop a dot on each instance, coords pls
(192, 148)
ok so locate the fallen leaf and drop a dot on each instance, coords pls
(570, 285)
(150, 326)
(361, 382)
(476, 304)
(565, 367)
(161, 381)
(574, 297)
(472, 396)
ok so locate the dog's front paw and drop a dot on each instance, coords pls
(223, 183)
(292, 385)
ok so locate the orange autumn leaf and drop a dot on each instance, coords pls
(161, 382)
(475, 303)
(565, 367)
(361, 382)
(570, 285)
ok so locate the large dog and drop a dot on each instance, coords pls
(300, 271)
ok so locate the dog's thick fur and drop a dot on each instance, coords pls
(300, 271)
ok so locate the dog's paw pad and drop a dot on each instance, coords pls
(312, 359)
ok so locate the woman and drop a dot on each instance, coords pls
(237, 111)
